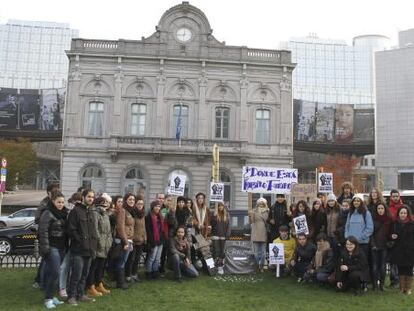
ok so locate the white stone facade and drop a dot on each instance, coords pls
(159, 73)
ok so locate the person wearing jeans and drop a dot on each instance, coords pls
(156, 235)
(52, 244)
(82, 230)
(258, 218)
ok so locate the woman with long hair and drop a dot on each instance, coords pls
(318, 219)
(220, 231)
(402, 255)
(258, 218)
(375, 198)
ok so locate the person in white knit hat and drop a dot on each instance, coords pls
(258, 218)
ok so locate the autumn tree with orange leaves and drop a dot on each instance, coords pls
(342, 167)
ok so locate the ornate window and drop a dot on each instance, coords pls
(92, 177)
(138, 119)
(180, 121)
(134, 182)
(95, 119)
(262, 126)
(222, 122)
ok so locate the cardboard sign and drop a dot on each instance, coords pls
(216, 192)
(325, 182)
(177, 184)
(276, 254)
(268, 180)
(301, 225)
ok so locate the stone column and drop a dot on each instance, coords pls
(202, 125)
(244, 113)
(286, 126)
(161, 127)
(117, 114)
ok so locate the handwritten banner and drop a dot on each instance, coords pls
(268, 180)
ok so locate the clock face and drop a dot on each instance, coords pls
(184, 34)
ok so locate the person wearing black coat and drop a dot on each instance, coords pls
(83, 233)
(53, 242)
(402, 253)
(277, 216)
(352, 267)
(303, 256)
(318, 219)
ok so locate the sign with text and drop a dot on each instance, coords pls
(325, 182)
(216, 192)
(306, 192)
(301, 225)
(176, 185)
(268, 180)
(276, 254)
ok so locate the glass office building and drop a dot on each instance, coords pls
(32, 54)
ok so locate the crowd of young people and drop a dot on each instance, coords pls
(350, 241)
(348, 246)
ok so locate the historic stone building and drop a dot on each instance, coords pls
(126, 97)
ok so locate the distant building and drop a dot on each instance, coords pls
(139, 111)
(395, 114)
(32, 54)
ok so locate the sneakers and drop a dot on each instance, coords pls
(72, 301)
(85, 298)
(57, 302)
(128, 279)
(49, 304)
(63, 294)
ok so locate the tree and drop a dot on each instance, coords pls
(21, 161)
(342, 167)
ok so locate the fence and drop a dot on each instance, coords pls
(19, 261)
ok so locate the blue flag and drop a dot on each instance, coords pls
(178, 127)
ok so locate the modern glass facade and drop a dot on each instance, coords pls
(32, 54)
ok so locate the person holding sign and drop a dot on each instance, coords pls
(277, 216)
(220, 231)
(301, 218)
(289, 244)
(304, 253)
(258, 218)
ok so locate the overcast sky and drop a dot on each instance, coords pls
(254, 23)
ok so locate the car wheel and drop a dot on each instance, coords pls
(2, 225)
(5, 247)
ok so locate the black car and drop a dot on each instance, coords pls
(18, 240)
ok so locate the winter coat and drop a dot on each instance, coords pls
(380, 236)
(172, 224)
(402, 253)
(343, 197)
(305, 254)
(124, 226)
(318, 223)
(278, 213)
(104, 233)
(220, 229)
(52, 230)
(203, 227)
(340, 229)
(175, 248)
(328, 262)
(258, 220)
(394, 207)
(289, 246)
(82, 231)
(140, 234)
(359, 226)
(356, 263)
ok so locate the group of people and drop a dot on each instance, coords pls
(349, 241)
(92, 235)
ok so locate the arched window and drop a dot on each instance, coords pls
(92, 177)
(134, 182)
(262, 126)
(222, 122)
(187, 181)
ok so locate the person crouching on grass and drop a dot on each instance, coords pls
(180, 256)
(302, 259)
(289, 244)
(351, 267)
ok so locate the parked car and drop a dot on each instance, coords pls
(18, 240)
(19, 218)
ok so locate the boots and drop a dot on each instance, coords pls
(93, 292)
(120, 279)
(408, 284)
(402, 283)
(102, 289)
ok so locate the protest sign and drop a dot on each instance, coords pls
(268, 180)
(325, 182)
(301, 225)
(305, 192)
(176, 184)
(276, 254)
(216, 192)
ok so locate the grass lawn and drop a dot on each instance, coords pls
(262, 292)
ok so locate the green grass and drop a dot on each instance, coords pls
(206, 293)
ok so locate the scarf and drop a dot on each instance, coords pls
(59, 214)
(200, 213)
(140, 213)
(385, 220)
(319, 254)
(407, 220)
(155, 230)
(181, 244)
(132, 210)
